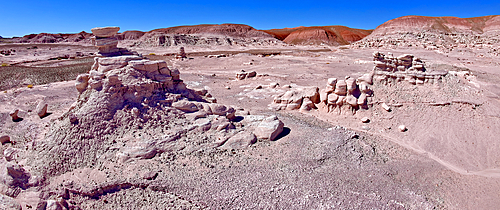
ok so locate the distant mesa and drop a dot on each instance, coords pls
(330, 35)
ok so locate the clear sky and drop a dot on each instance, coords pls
(20, 17)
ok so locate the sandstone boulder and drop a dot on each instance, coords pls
(351, 85)
(10, 153)
(368, 78)
(223, 110)
(241, 140)
(186, 106)
(332, 98)
(341, 88)
(269, 128)
(41, 109)
(15, 175)
(351, 100)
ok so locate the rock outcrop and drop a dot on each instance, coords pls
(357, 93)
(350, 92)
(130, 108)
(403, 68)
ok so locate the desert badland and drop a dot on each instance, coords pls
(405, 116)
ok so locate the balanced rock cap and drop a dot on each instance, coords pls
(105, 31)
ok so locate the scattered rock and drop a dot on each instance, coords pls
(15, 175)
(10, 153)
(4, 139)
(14, 116)
(41, 109)
(151, 175)
(402, 128)
(55, 205)
(365, 120)
(385, 107)
(184, 105)
(182, 53)
(274, 85)
(243, 74)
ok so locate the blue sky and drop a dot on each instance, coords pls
(25, 17)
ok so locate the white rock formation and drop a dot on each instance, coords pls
(389, 69)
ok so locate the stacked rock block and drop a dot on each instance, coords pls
(106, 42)
(406, 67)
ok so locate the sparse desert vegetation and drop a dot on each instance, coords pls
(16, 76)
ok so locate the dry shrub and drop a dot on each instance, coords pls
(20, 76)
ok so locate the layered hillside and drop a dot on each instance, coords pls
(232, 30)
(437, 33)
(223, 34)
(330, 35)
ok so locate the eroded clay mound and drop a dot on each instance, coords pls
(331, 35)
(223, 34)
(233, 30)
